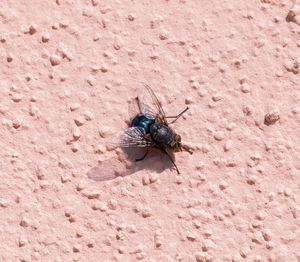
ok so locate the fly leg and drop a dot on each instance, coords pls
(187, 149)
(176, 117)
(143, 157)
(171, 159)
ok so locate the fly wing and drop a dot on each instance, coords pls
(149, 104)
(134, 137)
(131, 137)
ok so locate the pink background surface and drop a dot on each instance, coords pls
(69, 68)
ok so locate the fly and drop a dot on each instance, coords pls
(148, 129)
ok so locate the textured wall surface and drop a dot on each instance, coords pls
(68, 71)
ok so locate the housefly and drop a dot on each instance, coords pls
(147, 129)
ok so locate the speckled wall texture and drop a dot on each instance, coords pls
(69, 69)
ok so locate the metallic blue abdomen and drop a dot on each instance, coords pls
(143, 122)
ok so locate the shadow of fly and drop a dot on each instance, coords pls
(148, 129)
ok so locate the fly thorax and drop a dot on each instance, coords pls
(162, 134)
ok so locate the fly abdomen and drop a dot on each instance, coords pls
(161, 134)
(143, 122)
